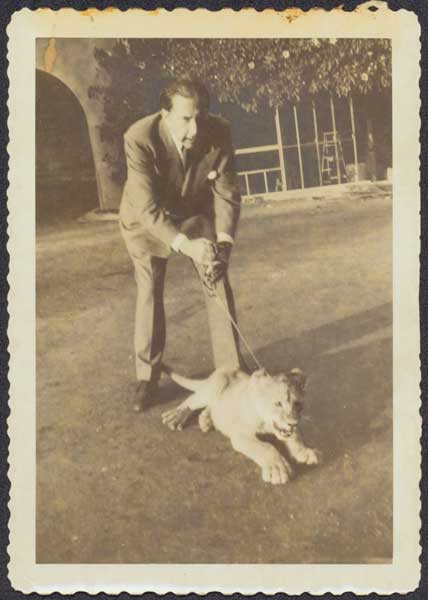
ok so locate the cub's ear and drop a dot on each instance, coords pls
(298, 378)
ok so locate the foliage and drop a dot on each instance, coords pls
(256, 74)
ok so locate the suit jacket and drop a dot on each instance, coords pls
(158, 195)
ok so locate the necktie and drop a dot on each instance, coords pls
(186, 158)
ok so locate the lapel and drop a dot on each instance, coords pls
(203, 157)
(171, 158)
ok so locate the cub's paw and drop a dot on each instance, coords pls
(205, 421)
(176, 418)
(311, 456)
(277, 471)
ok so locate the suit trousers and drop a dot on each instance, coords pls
(150, 328)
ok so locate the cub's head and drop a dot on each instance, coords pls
(279, 400)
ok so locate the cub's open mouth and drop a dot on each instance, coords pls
(285, 430)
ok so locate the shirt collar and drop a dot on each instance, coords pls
(177, 143)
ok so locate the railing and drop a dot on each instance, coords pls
(256, 150)
(279, 183)
(280, 148)
(246, 175)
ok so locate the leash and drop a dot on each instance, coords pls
(212, 292)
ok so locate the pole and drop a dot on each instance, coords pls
(247, 184)
(280, 150)
(299, 150)
(354, 137)
(371, 155)
(336, 151)
(314, 112)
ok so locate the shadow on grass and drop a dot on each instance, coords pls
(349, 397)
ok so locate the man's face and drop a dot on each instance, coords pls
(183, 119)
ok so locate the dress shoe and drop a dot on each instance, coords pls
(144, 395)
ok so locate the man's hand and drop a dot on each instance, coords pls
(218, 268)
(201, 250)
(223, 252)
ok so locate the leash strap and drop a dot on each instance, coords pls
(211, 287)
(239, 332)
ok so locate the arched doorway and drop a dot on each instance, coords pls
(65, 173)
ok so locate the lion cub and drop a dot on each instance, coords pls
(244, 406)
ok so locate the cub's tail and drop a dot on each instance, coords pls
(189, 384)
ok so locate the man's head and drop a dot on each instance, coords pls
(184, 104)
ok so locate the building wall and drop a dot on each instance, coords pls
(65, 182)
(72, 62)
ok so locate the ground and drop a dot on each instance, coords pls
(313, 289)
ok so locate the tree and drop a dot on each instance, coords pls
(256, 74)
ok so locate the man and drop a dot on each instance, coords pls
(181, 195)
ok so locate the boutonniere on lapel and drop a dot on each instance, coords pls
(212, 175)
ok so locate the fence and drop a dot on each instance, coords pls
(328, 154)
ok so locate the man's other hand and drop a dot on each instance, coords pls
(223, 252)
(201, 250)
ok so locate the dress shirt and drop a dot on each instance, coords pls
(181, 237)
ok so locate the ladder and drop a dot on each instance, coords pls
(333, 168)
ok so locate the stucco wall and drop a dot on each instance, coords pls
(72, 61)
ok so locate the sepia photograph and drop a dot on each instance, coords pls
(214, 375)
(214, 300)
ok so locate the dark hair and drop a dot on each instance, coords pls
(188, 88)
